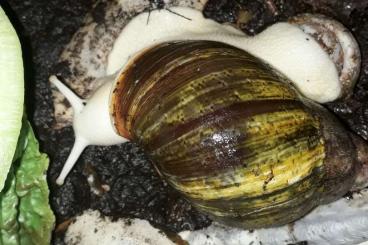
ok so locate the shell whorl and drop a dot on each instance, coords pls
(227, 131)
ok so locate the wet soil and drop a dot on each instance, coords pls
(126, 183)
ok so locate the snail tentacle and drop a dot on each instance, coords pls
(74, 100)
(79, 145)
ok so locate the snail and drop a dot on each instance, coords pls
(225, 118)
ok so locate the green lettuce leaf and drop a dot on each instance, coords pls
(25, 214)
(11, 94)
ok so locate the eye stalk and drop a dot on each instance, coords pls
(91, 122)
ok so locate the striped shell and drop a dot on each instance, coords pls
(232, 134)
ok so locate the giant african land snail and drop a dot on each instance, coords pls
(252, 151)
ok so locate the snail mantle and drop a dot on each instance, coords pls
(218, 114)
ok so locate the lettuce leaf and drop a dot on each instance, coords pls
(11, 93)
(25, 215)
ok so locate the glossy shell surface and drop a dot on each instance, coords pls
(227, 131)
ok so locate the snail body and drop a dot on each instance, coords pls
(285, 46)
(224, 128)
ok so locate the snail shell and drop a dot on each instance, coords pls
(231, 133)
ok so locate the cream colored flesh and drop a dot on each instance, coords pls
(286, 47)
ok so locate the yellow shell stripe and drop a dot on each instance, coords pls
(278, 169)
(266, 204)
(250, 184)
(195, 85)
(286, 122)
(194, 94)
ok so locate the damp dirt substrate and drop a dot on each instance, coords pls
(126, 184)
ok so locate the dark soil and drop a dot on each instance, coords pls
(45, 26)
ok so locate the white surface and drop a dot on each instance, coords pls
(344, 222)
(282, 45)
(220, 235)
(91, 228)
